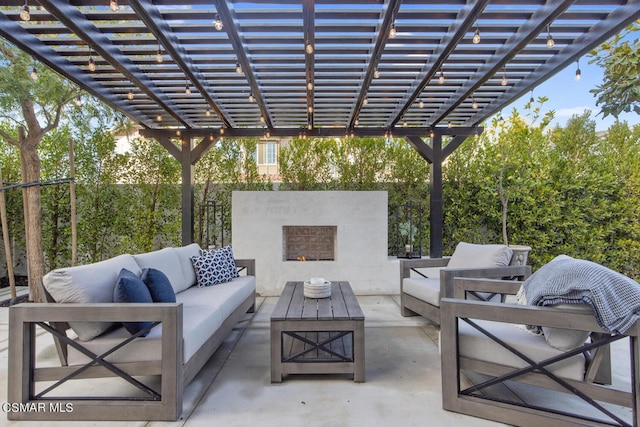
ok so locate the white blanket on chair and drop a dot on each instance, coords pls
(614, 297)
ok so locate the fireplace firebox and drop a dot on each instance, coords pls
(309, 243)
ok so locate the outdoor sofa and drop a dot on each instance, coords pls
(180, 336)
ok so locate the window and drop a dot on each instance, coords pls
(271, 153)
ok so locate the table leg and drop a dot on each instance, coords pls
(358, 352)
(276, 352)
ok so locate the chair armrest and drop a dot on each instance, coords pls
(447, 275)
(249, 264)
(499, 286)
(555, 317)
(406, 265)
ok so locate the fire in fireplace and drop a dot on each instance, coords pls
(309, 243)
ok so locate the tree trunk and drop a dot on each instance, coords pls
(30, 165)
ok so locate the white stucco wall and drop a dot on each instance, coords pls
(361, 248)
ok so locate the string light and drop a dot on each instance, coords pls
(159, 117)
(474, 103)
(187, 89)
(25, 15)
(251, 98)
(578, 72)
(261, 119)
(392, 31)
(432, 133)
(159, 56)
(476, 36)
(376, 74)
(34, 73)
(449, 124)
(78, 100)
(218, 23)
(504, 77)
(113, 4)
(130, 95)
(238, 68)
(310, 85)
(92, 63)
(310, 108)
(365, 101)
(441, 78)
(309, 126)
(207, 112)
(357, 122)
(268, 134)
(421, 104)
(550, 42)
(309, 48)
(531, 100)
(221, 131)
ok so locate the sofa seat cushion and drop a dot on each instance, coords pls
(204, 310)
(469, 255)
(91, 283)
(167, 261)
(425, 289)
(475, 345)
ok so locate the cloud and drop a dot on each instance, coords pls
(570, 112)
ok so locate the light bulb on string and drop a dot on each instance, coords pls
(476, 36)
(578, 72)
(550, 42)
(218, 23)
(25, 15)
(392, 31)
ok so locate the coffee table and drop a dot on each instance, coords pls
(317, 336)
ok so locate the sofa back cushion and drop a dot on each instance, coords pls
(167, 261)
(469, 255)
(91, 283)
(184, 254)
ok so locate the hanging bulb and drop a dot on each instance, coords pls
(392, 32)
(476, 36)
(531, 100)
(92, 64)
(217, 24)
(441, 78)
(24, 14)
(78, 100)
(238, 68)
(159, 56)
(504, 81)
(268, 134)
(221, 131)
(578, 72)
(251, 99)
(310, 108)
(550, 42)
(421, 104)
(309, 126)
(309, 47)
(474, 103)
(187, 90)
(376, 74)
(159, 117)
(357, 122)
(365, 101)
(34, 73)
(500, 119)
(432, 133)
(310, 85)
(449, 124)
(130, 95)
(207, 112)
(113, 4)
(261, 119)
(404, 123)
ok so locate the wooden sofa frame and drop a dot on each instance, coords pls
(411, 306)
(165, 404)
(598, 369)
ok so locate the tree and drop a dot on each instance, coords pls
(31, 108)
(620, 59)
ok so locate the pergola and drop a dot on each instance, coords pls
(419, 69)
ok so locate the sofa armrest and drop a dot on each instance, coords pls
(520, 272)
(248, 264)
(24, 371)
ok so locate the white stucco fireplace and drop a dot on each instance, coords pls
(295, 235)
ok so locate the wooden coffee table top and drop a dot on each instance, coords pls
(341, 305)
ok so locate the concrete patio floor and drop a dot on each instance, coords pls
(234, 389)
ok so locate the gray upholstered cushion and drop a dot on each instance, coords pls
(91, 283)
(469, 255)
(475, 345)
(425, 289)
(167, 261)
(567, 339)
(184, 255)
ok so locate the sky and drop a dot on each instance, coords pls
(569, 97)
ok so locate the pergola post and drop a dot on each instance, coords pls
(436, 217)
(188, 183)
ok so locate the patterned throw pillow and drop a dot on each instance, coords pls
(214, 266)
